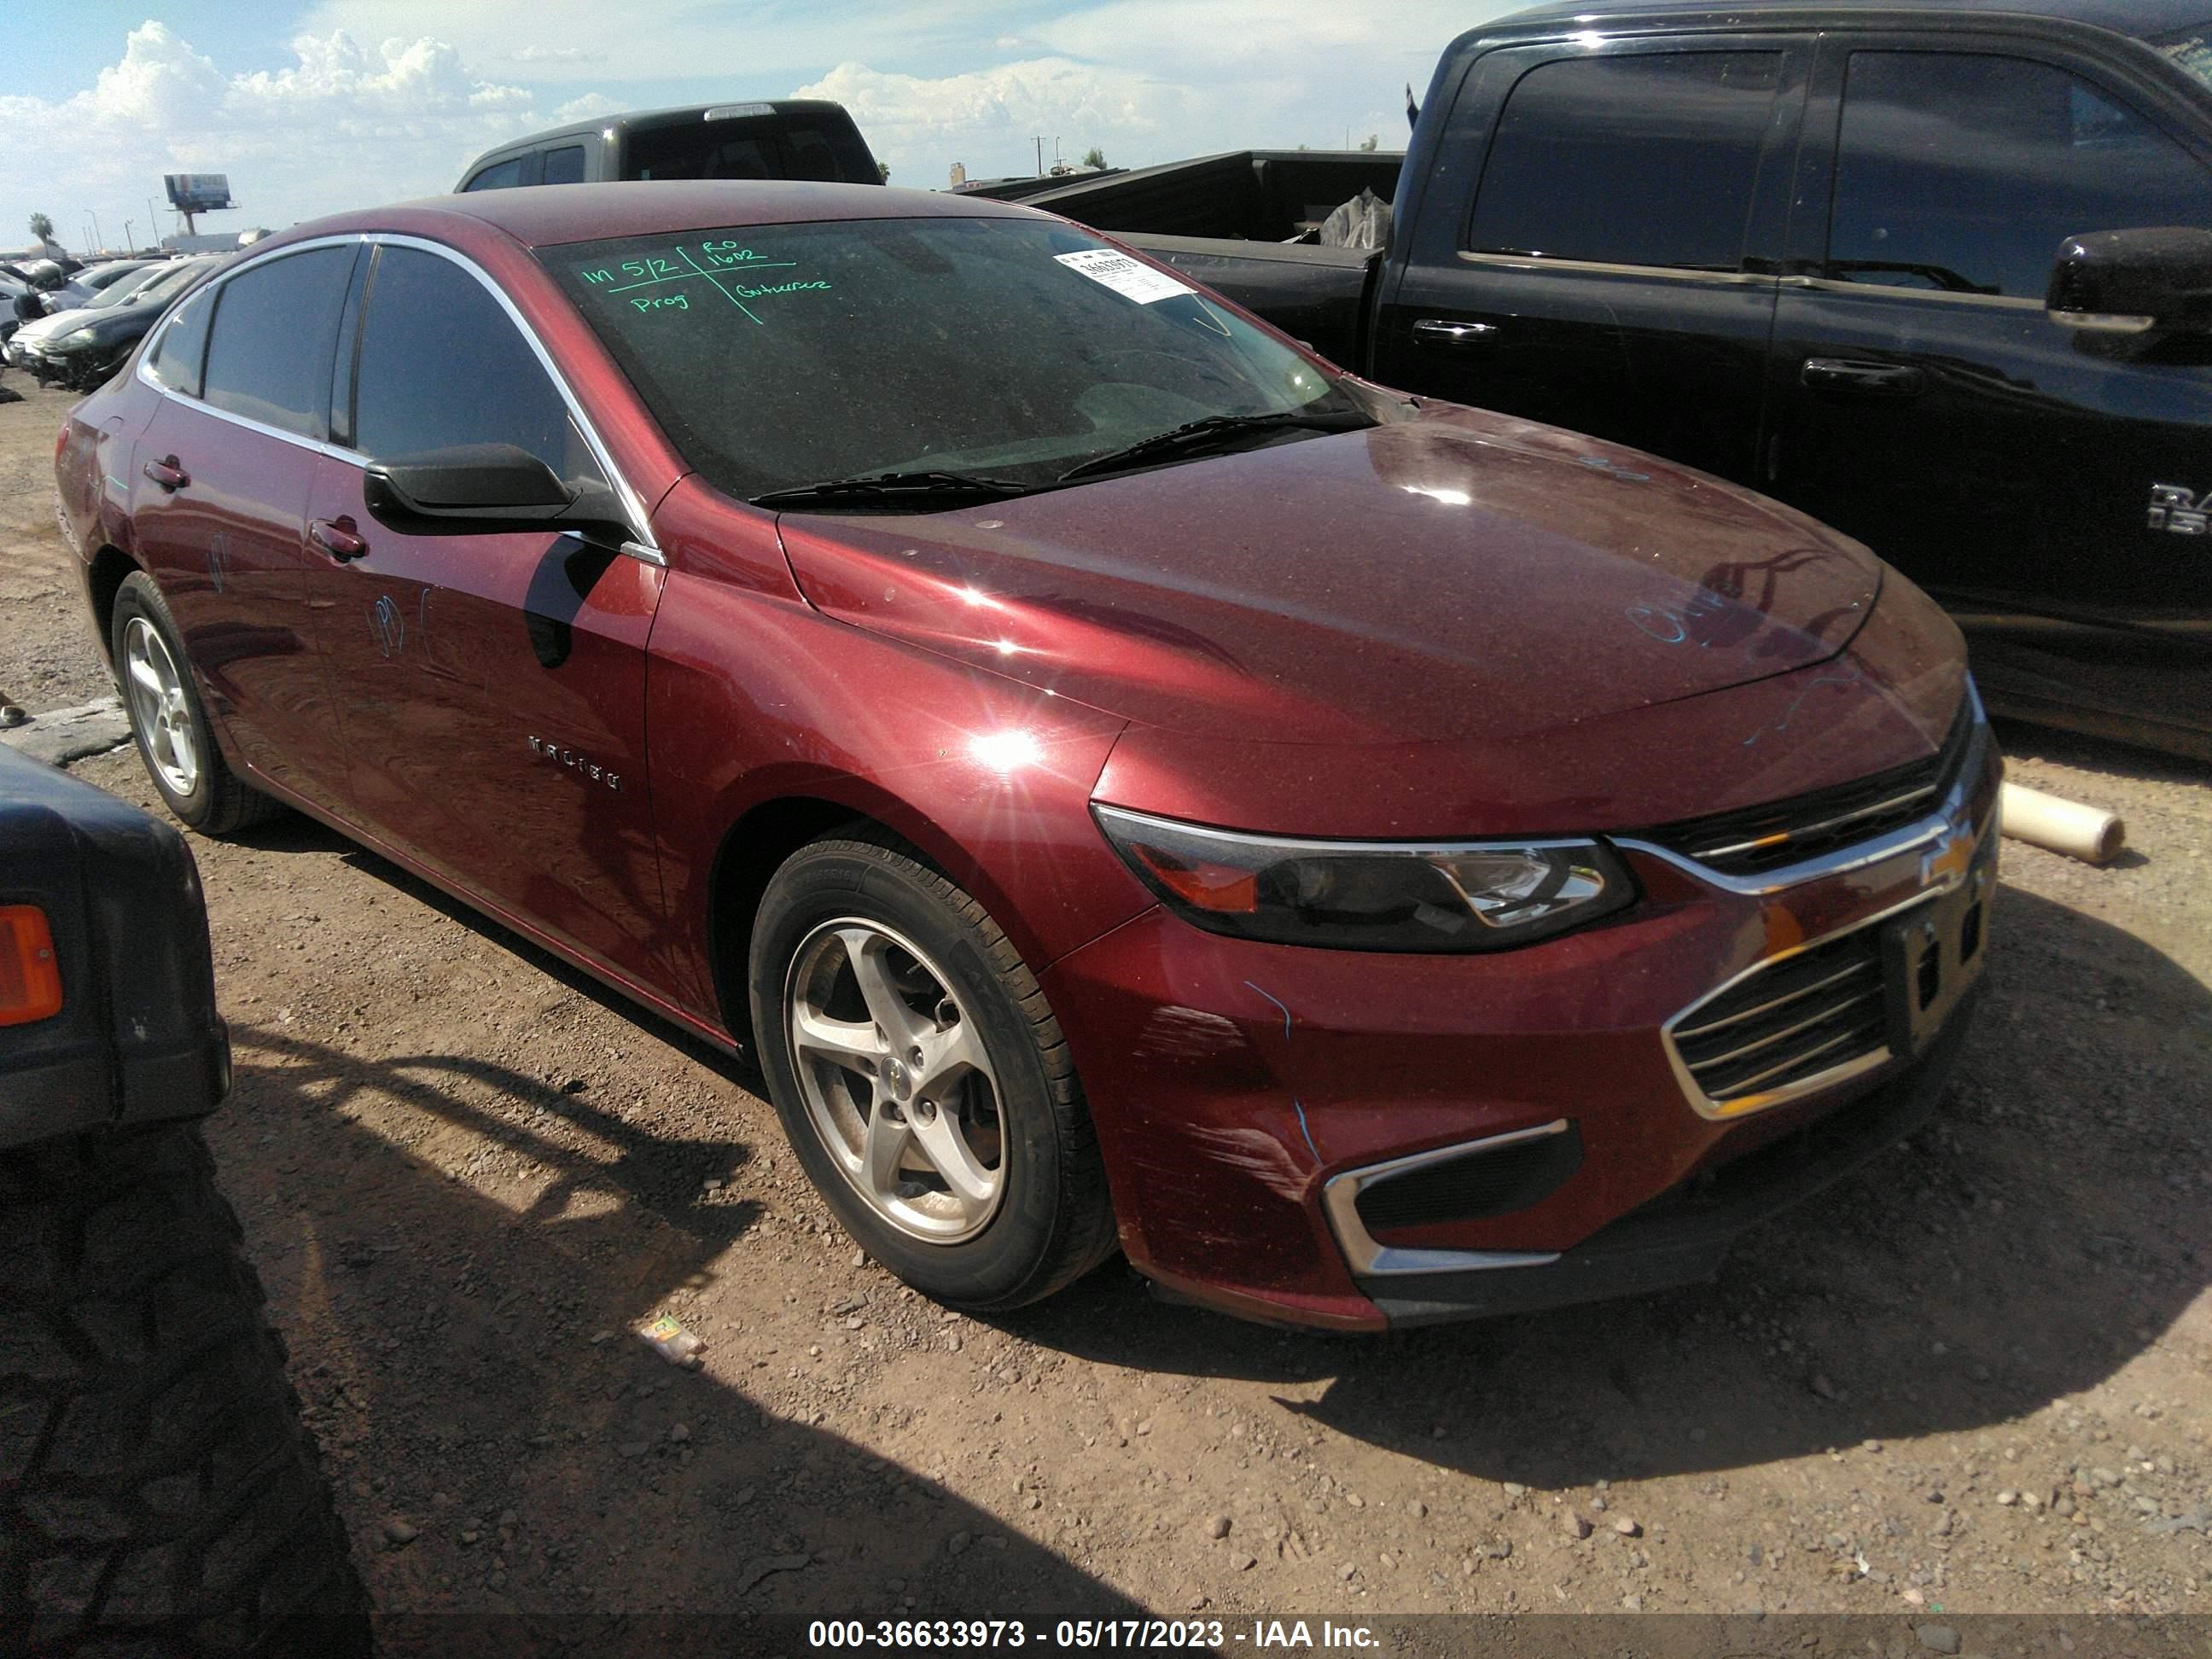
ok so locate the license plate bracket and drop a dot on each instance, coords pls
(1932, 955)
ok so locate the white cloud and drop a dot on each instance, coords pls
(341, 126)
(910, 121)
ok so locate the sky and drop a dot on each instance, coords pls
(318, 107)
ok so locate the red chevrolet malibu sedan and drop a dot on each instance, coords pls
(1128, 782)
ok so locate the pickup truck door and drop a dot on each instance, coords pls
(2028, 474)
(1596, 245)
(491, 686)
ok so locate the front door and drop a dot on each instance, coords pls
(1614, 273)
(1922, 399)
(493, 686)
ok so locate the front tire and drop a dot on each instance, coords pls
(170, 722)
(922, 1080)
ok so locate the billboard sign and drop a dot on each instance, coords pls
(197, 192)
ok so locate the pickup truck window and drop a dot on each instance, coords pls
(564, 165)
(782, 356)
(713, 150)
(1963, 171)
(501, 176)
(1635, 160)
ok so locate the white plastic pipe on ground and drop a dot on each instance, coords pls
(2063, 826)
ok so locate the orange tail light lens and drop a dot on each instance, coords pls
(30, 977)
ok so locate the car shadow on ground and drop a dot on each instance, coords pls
(2038, 1236)
(443, 1340)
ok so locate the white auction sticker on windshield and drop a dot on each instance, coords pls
(1127, 278)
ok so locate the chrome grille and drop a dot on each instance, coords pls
(1758, 838)
(1802, 1016)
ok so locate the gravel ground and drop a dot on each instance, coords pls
(1970, 1380)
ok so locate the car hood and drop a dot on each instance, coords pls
(54, 322)
(1452, 575)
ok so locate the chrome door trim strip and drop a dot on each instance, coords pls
(1607, 268)
(1371, 1260)
(639, 545)
(1887, 291)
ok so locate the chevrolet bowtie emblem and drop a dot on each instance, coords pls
(1947, 865)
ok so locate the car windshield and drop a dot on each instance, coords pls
(172, 277)
(777, 356)
(2190, 47)
(136, 281)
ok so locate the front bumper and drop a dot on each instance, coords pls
(1244, 1093)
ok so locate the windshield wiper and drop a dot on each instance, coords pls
(895, 487)
(1214, 429)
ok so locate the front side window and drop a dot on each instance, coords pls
(1963, 172)
(782, 356)
(275, 329)
(1629, 159)
(442, 364)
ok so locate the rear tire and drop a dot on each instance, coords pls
(1028, 1212)
(175, 739)
(156, 1484)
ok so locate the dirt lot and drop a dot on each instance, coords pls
(1972, 1378)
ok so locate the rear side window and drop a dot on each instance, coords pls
(275, 329)
(1963, 172)
(1635, 161)
(504, 175)
(565, 166)
(442, 364)
(180, 353)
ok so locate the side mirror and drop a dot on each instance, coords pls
(2130, 281)
(482, 489)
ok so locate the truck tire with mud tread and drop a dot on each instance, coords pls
(158, 1492)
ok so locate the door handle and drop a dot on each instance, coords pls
(1438, 331)
(167, 473)
(337, 537)
(1862, 379)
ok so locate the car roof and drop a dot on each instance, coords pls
(2143, 19)
(547, 215)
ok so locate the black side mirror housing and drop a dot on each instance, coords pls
(482, 490)
(2131, 282)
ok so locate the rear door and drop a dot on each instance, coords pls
(1922, 399)
(1597, 249)
(493, 685)
(219, 483)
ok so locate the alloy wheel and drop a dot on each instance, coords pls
(896, 1080)
(164, 718)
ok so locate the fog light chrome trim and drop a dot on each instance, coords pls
(1370, 1259)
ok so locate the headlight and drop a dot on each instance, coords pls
(1369, 895)
(76, 339)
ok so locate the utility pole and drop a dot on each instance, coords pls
(95, 227)
(153, 223)
(129, 245)
(1040, 155)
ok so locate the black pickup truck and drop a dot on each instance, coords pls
(1938, 274)
(158, 1492)
(787, 138)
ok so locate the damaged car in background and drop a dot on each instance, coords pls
(1127, 781)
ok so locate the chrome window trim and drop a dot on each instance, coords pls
(1608, 268)
(639, 545)
(1370, 1259)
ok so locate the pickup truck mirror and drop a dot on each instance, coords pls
(480, 489)
(2130, 281)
